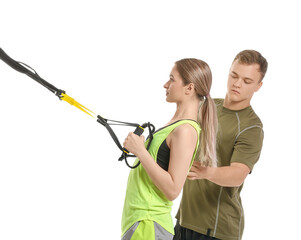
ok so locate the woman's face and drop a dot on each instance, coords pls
(175, 89)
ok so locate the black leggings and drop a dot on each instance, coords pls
(182, 233)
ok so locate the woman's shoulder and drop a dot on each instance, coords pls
(184, 130)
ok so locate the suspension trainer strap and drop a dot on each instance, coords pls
(25, 69)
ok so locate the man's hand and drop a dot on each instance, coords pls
(197, 171)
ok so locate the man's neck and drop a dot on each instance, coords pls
(233, 105)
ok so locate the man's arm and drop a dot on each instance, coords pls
(227, 176)
(246, 152)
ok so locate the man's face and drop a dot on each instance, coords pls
(243, 81)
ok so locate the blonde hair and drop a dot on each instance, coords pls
(198, 72)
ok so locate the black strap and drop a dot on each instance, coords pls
(23, 68)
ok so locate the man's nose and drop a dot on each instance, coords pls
(238, 82)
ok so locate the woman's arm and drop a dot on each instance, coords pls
(182, 142)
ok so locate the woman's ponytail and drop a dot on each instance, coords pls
(207, 118)
(198, 72)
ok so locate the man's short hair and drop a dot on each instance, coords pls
(253, 57)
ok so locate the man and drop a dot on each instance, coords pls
(211, 206)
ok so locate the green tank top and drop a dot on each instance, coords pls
(143, 200)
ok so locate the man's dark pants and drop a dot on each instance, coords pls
(182, 233)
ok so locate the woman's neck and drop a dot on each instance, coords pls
(186, 110)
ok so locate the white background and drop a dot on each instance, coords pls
(59, 174)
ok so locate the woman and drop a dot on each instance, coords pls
(164, 167)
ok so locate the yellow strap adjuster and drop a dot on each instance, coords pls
(76, 104)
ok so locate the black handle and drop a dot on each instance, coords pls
(138, 131)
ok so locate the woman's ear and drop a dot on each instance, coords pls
(189, 88)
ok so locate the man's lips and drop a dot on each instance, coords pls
(235, 91)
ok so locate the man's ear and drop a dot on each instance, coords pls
(259, 85)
